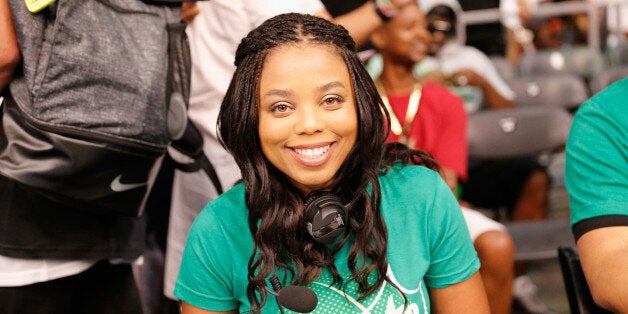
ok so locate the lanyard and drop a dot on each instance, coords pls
(413, 108)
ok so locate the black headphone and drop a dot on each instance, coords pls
(325, 216)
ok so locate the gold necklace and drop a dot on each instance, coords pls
(413, 108)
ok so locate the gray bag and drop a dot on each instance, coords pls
(101, 93)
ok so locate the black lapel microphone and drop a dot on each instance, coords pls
(295, 298)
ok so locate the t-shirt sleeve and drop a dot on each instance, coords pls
(596, 164)
(453, 257)
(203, 280)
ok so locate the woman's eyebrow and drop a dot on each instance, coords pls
(278, 92)
(330, 85)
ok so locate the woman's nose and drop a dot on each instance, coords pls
(310, 120)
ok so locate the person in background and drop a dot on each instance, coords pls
(215, 28)
(304, 122)
(596, 175)
(54, 257)
(463, 65)
(514, 15)
(427, 116)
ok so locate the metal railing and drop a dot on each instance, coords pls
(550, 9)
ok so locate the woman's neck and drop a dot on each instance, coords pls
(397, 79)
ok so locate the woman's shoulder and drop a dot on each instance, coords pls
(403, 174)
(228, 207)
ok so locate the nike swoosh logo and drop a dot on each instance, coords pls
(118, 186)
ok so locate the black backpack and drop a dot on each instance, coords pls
(101, 95)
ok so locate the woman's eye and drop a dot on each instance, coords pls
(280, 108)
(332, 100)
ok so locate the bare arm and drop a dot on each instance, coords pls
(9, 50)
(187, 308)
(451, 178)
(464, 297)
(604, 258)
(494, 100)
(362, 21)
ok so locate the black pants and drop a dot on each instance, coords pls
(104, 288)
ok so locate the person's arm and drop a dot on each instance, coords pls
(186, 308)
(464, 297)
(9, 50)
(604, 257)
(493, 99)
(362, 21)
(451, 178)
(596, 176)
(189, 10)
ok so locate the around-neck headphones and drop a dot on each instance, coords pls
(325, 216)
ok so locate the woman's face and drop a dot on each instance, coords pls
(307, 113)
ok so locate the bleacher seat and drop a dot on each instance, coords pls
(581, 60)
(562, 90)
(517, 132)
(618, 55)
(505, 69)
(606, 78)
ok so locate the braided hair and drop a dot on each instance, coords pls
(276, 213)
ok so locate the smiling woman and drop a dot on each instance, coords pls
(323, 203)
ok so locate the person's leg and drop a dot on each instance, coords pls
(53, 296)
(103, 288)
(107, 288)
(533, 200)
(531, 204)
(496, 251)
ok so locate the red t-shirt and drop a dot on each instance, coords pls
(439, 126)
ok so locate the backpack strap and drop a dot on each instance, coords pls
(186, 137)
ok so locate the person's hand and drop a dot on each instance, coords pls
(466, 77)
(524, 11)
(189, 10)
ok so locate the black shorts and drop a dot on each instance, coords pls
(497, 184)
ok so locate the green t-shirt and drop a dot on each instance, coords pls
(596, 170)
(428, 246)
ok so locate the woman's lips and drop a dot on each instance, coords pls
(312, 155)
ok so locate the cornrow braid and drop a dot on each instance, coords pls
(292, 27)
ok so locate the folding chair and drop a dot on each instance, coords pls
(505, 69)
(606, 78)
(578, 293)
(545, 61)
(585, 62)
(563, 90)
(582, 61)
(618, 55)
(517, 132)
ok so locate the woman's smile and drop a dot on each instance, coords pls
(312, 155)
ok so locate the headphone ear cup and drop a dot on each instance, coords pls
(325, 216)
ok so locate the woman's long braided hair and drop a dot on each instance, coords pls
(276, 217)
